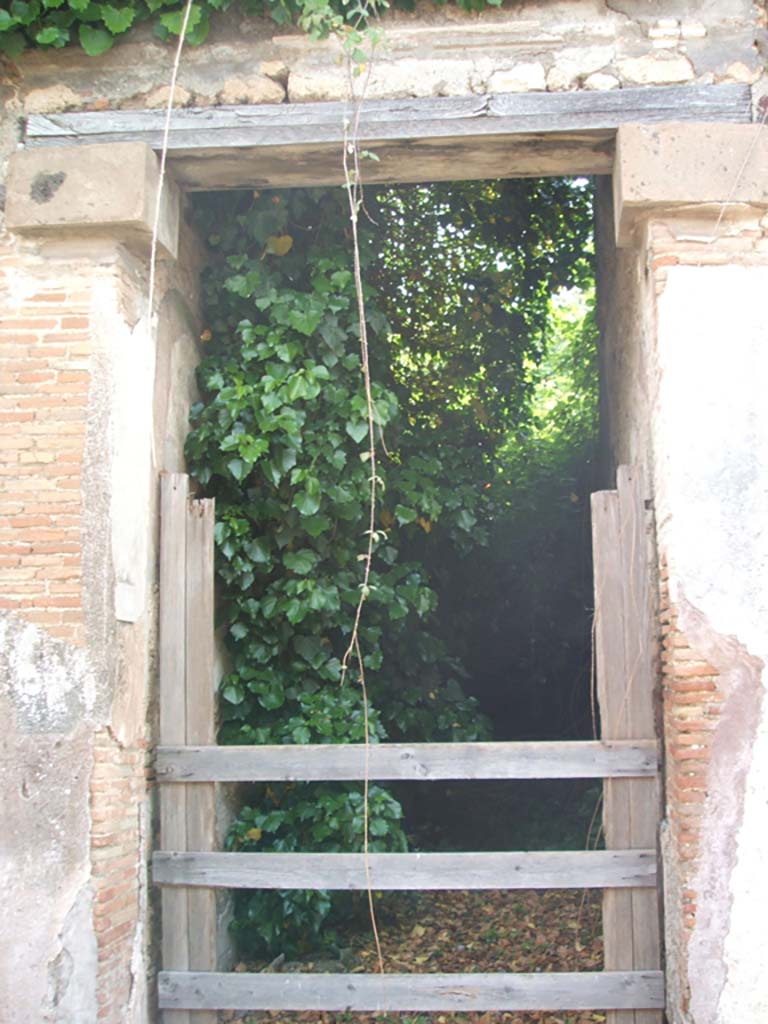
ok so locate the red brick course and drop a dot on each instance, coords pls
(118, 792)
(44, 382)
(692, 703)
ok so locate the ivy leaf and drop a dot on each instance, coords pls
(94, 40)
(316, 525)
(12, 44)
(25, 11)
(297, 387)
(239, 469)
(173, 20)
(295, 611)
(116, 19)
(307, 504)
(252, 448)
(306, 321)
(52, 36)
(301, 734)
(233, 694)
(279, 245)
(341, 278)
(272, 697)
(285, 459)
(311, 648)
(357, 430)
(405, 515)
(465, 520)
(301, 562)
(199, 33)
(258, 551)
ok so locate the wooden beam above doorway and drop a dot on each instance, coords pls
(430, 139)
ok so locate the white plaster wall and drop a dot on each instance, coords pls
(711, 452)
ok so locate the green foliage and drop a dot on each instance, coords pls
(281, 439)
(494, 371)
(95, 23)
(535, 629)
(472, 322)
(311, 818)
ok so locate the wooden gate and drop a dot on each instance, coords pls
(189, 764)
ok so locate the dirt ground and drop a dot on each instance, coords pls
(433, 932)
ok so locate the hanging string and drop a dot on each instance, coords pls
(353, 184)
(163, 161)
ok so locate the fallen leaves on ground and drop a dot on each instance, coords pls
(466, 932)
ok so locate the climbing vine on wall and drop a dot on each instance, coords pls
(96, 24)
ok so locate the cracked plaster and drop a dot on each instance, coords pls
(711, 444)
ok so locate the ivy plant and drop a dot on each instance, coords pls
(318, 818)
(459, 279)
(95, 24)
(280, 439)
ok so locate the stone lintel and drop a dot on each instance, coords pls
(688, 170)
(105, 189)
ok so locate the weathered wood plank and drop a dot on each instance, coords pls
(611, 680)
(294, 145)
(643, 796)
(412, 992)
(408, 160)
(200, 714)
(173, 799)
(625, 693)
(419, 761)
(273, 125)
(402, 871)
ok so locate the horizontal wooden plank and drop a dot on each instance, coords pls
(412, 992)
(428, 139)
(548, 870)
(415, 761)
(286, 124)
(399, 161)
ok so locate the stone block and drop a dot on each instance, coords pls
(687, 166)
(527, 77)
(107, 189)
(656, 69)
(601, 82)
(251, 89)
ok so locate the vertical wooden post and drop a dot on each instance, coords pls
(187, 717)
(173, 799)
(625, 694)
(200, 728)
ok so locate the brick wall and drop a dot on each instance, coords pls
(118, 842)
(44, 381)
(51, 386)
(692, 701)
